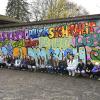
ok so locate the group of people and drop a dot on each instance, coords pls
(55, 63)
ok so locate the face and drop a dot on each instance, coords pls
(80, 61)
(89, 62)
(71, 57)
(64, 59)
(49, 57)
(97, 64)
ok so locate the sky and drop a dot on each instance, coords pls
(92, 6)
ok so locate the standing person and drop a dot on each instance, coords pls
(33, 64)
(43, 56)
(72, 65)
(49, 65)
(56, 59)
(38, 55)
(61, 61)
(43, 59)
(50, 55)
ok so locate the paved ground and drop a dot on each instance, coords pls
(22, 85)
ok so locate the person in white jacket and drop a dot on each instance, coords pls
(72, 65)
(17, 63)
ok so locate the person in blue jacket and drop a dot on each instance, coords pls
(96, 70)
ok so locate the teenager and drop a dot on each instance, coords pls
(72, 65)
(1, 61)
(63, 66)
(24, 64)
(8, 61)
(17, 63)
(33, 64)
(89, 67)
(62, 62)
(96, 71)
(56, 60)
(49, 64)
(38, 57)
(80, 67)
(12, 62)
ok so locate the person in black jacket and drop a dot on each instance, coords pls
(33, 64)
(63, 66)
(24, 64)
(8, 61)
(80, 66)
(89, 67)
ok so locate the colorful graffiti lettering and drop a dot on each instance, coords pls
(58, 32)
(81, 28)
(38, 32)
(95, 54)
(16, 52)
(23, 52)
(19, 43)
(69, 37)
(31, 43)
(87, 40)
(15, 35)
(20, 52)
(72, 30)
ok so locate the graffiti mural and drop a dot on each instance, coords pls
(81, 39)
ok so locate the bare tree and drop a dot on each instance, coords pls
(74, 10)
(39, 9)
(52, 9)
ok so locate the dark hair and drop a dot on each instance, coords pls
(72, 55)
(88, 61)
(80, 59)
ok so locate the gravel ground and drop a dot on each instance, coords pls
(25, 85)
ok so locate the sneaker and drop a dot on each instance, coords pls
(91, 76)
(98, 79)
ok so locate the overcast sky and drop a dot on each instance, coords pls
(92, 6)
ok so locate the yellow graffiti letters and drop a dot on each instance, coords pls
(51, 33)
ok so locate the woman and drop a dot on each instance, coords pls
(72, 65)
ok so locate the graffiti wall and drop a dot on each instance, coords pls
(79, 38)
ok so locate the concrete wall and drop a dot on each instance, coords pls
(81, 38)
